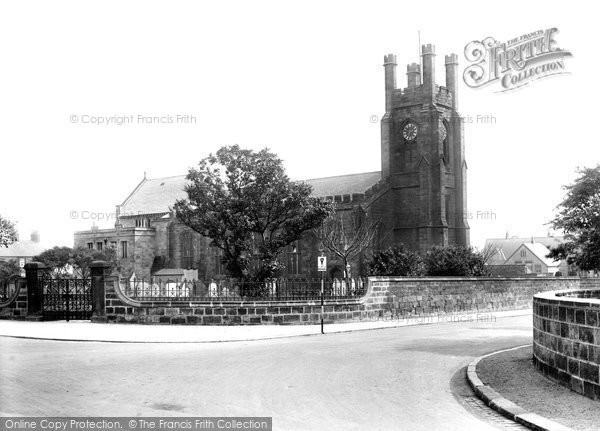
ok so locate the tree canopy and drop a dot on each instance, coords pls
(60, 260)
(244, 202)
(578, 217)
(398, 260)
(8, 270)
(8, 232)
(452, 260)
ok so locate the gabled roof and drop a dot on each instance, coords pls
(26, 248)
(156, 196)
(343, 184)
(505, 247)
(539, 250)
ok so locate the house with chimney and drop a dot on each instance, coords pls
(23, 250)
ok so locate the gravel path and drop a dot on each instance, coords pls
(513, 375)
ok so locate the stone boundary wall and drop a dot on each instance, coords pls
(121, 309)
(566, 339)
(16, 307)
(439, 295)
(386, 298)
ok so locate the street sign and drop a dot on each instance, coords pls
(322, 263)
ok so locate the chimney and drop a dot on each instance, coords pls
(389, 63)
(35, 236)
(452, 78)
(428, 54)
(413, 74)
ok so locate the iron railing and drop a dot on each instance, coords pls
(242, 290)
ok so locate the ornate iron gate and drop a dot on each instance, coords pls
(66, 298)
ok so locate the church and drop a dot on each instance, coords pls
(419, 195)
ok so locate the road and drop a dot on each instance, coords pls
(409, 378)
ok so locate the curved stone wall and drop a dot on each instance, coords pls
(566, 338)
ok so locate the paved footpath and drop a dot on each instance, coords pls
(86, 331)
(399, 378)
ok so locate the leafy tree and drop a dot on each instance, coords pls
(60, 260)
(244, 201)
(579, 218)
(82, 257)
(57, 259)
(8, 270)
(8, 232)
(397, 260)
(456, 261)
(347, 236)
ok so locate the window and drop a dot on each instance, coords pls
(445, 152)
(124, 249)
(142, 222)
(90, 245)
(99, 246)
(218, 264)
(443, 130)
(187, 247)
(523, 253)
(293, 259)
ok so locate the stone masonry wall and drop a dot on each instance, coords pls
(566, 339)
(416, 296)
(121, 309)
(386, 297)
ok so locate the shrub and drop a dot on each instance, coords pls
(8, 270)
(397, 260)
(455, 261)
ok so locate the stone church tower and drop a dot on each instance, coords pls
(421, 198)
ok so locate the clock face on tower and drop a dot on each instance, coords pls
(410, 132)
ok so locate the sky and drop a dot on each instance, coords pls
(304, 79)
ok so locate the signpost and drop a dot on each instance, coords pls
(322, 267)
(22, 266)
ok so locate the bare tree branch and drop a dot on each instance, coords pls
(347, 235)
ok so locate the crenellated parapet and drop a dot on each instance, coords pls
(346, 199)
(414, 96)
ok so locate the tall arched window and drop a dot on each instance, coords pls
(293, 259)
(445, 144)
(187, 250)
